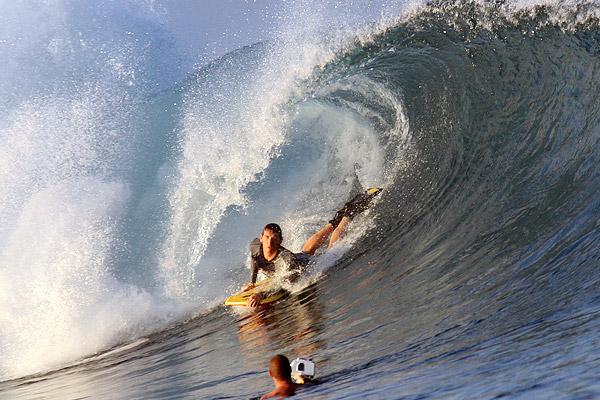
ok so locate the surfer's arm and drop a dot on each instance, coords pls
(255, 299)
(252, 283)
(254, 265)
(253, 277)
(254, 253)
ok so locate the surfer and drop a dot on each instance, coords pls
(281, 372)
(269, 256)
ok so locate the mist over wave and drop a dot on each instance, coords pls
(73, 120)
(129, 194)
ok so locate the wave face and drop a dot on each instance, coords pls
(128, 202)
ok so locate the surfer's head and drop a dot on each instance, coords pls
(271, 237)
(279, 368)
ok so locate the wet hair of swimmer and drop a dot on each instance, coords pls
(274, 228)
(280, 369)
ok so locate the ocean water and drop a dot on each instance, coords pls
(131, 186)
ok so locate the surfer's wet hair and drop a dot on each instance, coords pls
(274, 228)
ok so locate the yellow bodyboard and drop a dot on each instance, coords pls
(272, 294)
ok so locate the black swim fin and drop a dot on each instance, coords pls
(357, 205)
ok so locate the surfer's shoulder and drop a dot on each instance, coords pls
(255, 247)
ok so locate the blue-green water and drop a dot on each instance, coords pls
(129, 197)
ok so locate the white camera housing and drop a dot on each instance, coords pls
(303, 367)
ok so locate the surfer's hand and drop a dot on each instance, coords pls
(248, 286)
(254, 300)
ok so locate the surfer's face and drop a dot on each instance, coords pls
(270, 240)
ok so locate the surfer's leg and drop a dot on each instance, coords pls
(338, 225)
(339, 231)
(316, 240)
